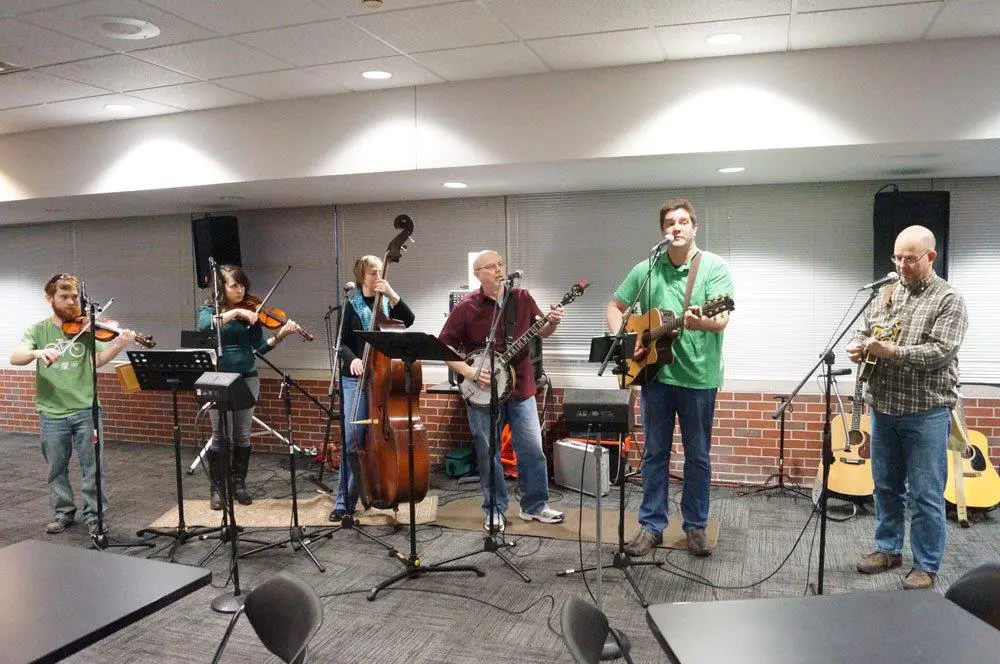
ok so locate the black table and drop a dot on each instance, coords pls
(56, 600)
(904, 627)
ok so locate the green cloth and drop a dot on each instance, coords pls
(697, 354)
(67, 386)
(239, 341)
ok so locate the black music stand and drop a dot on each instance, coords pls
(410, 347)
(172, 370)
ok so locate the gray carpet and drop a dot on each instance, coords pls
(448, 617)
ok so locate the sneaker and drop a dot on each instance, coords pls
(878, 562)
(499, 523)
(697, 542)
(92, 529)
(337, 515)
(545, 514)
(643, 542)
(918, 579)
(57, 526)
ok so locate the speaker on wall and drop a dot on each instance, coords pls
(218, 237)
(895, 210)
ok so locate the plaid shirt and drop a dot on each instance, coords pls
(924, 373)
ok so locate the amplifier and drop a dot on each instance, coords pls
(571, 457)
(597, 411)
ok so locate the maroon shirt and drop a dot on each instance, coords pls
(468, 327)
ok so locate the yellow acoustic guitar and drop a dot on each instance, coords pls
(972, 478)
(851, 470)
(657, 331)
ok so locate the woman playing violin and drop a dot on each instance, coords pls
(64, 396)
(242, 334)
(358, 317)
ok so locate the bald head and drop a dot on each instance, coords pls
(918, 237)
(915, 248)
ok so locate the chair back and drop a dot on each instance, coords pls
(286, 613)
(978, 592)
(584, 628)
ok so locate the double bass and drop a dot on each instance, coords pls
(383, 456)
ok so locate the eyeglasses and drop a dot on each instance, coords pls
(499, 265)
(908, 260)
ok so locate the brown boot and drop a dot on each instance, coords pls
(697, 542)
(878, 562)
(918, 579)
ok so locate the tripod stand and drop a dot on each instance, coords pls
(780, 486)
(332, 390)
(172, 370)
(296, 534)
(410, 347)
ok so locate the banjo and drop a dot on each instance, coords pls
(478, 396)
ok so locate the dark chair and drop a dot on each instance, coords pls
(978, 592)
(585, 629)
(285, 612)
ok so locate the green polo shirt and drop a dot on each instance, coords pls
(67, 386)
(697, 354)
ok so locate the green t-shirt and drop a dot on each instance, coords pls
(67, 386)
(697, 354)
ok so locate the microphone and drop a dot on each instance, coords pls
(667, 239)
(516, 274)
(890, 278)
(83, 298)
(840, 372)
(349, 286)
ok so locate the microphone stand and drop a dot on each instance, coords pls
(826, 357)
(331, 391)
(492, 542)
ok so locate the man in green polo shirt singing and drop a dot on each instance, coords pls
(64, 394)
(684, 389)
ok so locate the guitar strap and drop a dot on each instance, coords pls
(692, 273)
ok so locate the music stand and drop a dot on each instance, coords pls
(172, 370)
(410, 347)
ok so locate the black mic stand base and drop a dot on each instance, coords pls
(299, 540)
(492, 544)
(621, 561)
(228, 603)
(780, 486)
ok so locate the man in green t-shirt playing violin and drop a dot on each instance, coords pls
(64, 394)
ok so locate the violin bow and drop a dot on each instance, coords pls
(84, 328)
(265, 298)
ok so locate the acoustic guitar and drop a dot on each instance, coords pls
(851, 470)
(657, 332)
(972, 478)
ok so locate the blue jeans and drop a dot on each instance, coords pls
(911, 448)
(526, 435)
(661, 403)
(347, 490)
(59, 437)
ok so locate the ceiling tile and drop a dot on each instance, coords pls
(192, 96)
(875, 25)
(117, 72)
(317, 43)
(92, 109)
(24, 88)
(343, 8)
(30, 46)
(674, 12)
(288, 84)
(404, 72)
(15, 7)
(436, 28)
(212, 58)
(803, 6)
(227, 18)
(488, 61)
(532, 19)
(606, 49)
(78, 20)
(972, 18)
(760, 35)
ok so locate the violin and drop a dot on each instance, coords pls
(272, 318)
(107, 330)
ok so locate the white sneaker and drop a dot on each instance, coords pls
(545, 514)
(499, 523)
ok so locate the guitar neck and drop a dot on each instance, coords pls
(858, 406)
(524, 339)
(657, 332)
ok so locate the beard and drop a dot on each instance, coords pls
(66, 314)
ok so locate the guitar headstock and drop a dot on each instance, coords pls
(574, 292)
(717, 305)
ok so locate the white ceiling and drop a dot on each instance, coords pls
(215, 53)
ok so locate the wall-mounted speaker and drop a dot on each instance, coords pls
(895, 210)
(218, 237)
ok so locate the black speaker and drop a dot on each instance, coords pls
(895, 210)
(218, 237)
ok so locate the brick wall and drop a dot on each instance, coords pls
(745, 438)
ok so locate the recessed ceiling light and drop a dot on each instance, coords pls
(725, 39)
(455, 185)
(371, 4)
(376, 75)
(118, 108)
(732, 169)
(123, 27)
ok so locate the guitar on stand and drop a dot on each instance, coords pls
(657, 332)
(972, 478)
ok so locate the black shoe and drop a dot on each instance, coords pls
(337, 515)
(243, 496)
(216, 500)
